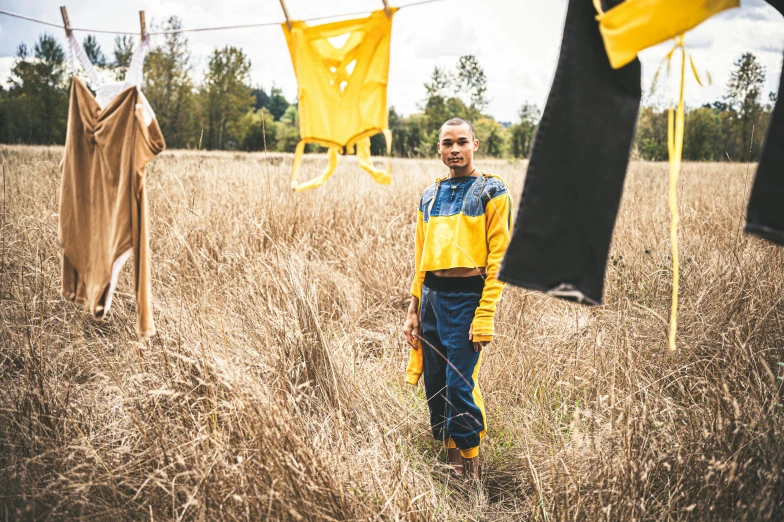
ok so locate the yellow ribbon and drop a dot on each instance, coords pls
(362, 147)
(363, 158)
(675, 131)
(332, 154)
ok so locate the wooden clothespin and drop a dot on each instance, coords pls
(143, 23)
(286, 14)
(66, 21)
(386, 7)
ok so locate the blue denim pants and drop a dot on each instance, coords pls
(451, 367)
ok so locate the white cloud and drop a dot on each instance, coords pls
(6, 63)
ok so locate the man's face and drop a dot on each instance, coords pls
(457, 145)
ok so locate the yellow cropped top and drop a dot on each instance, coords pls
(463, 224)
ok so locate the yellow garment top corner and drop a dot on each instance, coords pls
(635, 25)
(342, 69)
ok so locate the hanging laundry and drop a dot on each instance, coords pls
(133, 77)
(76, 50)
(570, 201)
(635, 25)
(342, 92)
(103, 199)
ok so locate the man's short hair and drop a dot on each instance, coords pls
(456, 122)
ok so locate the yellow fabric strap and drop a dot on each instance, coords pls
(675, 131)
(675, 125)
(315, 182)
(363, 156)
(634, 25)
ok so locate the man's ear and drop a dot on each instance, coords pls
(438, 147)
(476, 145)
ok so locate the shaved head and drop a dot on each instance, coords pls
(456, 122)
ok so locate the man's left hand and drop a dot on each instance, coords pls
(477, 345)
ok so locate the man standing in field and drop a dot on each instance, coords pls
(463, 229)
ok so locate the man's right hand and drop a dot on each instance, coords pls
(411, 326)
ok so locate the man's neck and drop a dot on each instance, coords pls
(462, 172)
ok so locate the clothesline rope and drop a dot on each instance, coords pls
(201, 29)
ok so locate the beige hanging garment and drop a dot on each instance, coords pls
(103, 200)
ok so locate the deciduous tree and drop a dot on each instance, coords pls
(169, 87)
(522, 132)
(225, 97)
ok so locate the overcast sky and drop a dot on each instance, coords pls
(516, 41)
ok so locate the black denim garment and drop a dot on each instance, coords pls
(765, 213)
(575, 178)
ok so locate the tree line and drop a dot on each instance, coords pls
(223, 111)
(730, 129)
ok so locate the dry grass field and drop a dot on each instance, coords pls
(274, 389)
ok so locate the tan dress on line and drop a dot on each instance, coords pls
(103, 200)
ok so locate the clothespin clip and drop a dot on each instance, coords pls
(143, 24)
(386, 8)
(286, 14)
(66, 21)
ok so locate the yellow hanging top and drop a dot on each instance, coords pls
(635, 25)
(342, 90)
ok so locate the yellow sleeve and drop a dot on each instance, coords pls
(498, 214)
(414, 368)
(419, 276)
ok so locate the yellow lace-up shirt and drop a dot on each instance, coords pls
(342, 90)
(469, 227)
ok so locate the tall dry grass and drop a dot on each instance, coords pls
(274, 389)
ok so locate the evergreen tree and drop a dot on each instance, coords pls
(277, 103)
(262, 99)
(123, 51)
(407, 133)
(744, 89)
(93, 51)
(36, 105)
